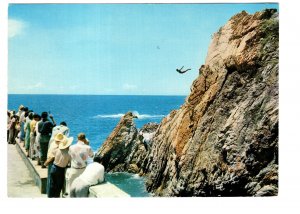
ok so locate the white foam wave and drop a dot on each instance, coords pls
(139, 116)
(146, 116)
(136, 176)
(109, 116)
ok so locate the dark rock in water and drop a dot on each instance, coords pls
(126, 149)
(223, 141)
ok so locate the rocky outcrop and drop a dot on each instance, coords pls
(224, 140)
(127, 147)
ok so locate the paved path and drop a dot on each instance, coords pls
(19, 182)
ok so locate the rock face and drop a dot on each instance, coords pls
(126, 148)
(224, 140)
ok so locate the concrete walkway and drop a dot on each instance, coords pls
(19, 182)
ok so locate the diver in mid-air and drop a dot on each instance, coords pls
(182, 71)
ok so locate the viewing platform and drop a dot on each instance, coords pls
(39, 176)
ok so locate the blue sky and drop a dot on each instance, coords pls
(111, 48)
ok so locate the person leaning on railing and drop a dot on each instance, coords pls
(79, 155)
(92, 175)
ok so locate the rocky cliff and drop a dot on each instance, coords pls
(126, 148)
(223, 141)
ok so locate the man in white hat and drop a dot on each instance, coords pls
(50, 157)
(57, 172)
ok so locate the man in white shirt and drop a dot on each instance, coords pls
(79, 155)
(92, 175)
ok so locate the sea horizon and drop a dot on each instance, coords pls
(171, 95)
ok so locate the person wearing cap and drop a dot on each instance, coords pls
(45, 129)
(92, 175)
(61, 159)
(79, 155)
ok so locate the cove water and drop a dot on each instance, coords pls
(97, 116)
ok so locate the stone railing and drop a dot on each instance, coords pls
(38, 173)
(106, 189)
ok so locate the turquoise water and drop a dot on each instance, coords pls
(97, 116)
(132, 184)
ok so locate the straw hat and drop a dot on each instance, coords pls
(59, 137)
(65, 143)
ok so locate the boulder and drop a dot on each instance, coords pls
(125, 149)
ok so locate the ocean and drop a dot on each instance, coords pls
(97, 116)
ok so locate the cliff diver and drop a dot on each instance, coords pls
(182, 71)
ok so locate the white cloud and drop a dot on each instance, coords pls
(129, 87)
(37, 85)
(15, 27)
